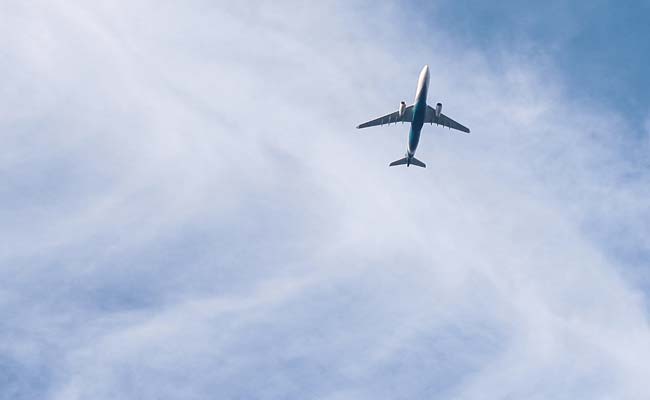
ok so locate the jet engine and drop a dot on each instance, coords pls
(402, 107)
(438, 109)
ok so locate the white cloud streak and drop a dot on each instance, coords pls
(189, 213)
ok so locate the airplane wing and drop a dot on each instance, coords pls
(430, 118)
(390, 118)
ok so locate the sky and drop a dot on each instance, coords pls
(189, 213)
(598, 47)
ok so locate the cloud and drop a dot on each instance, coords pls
(191, 214)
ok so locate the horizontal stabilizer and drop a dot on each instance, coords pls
(417, 162)
(408, 161)
(399, 162)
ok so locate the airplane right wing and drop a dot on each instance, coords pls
(390, 118)
(430, 118)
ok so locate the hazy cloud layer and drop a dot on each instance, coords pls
(188, 212)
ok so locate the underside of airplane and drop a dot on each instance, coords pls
(417, 114)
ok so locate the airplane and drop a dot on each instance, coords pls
(417, 114)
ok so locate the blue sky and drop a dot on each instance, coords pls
(599, 48)
(189, 213)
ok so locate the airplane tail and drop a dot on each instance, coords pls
(408, 161)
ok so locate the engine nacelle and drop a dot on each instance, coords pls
(438, 109)
(400, 110)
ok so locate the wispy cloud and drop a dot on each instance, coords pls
(189, 213)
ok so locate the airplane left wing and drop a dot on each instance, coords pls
(390, 118)
(430, 118)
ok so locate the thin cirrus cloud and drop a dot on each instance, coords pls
(190, 213)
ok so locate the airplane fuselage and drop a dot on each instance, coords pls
(419, 112)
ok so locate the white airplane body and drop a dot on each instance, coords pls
(417, 114)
